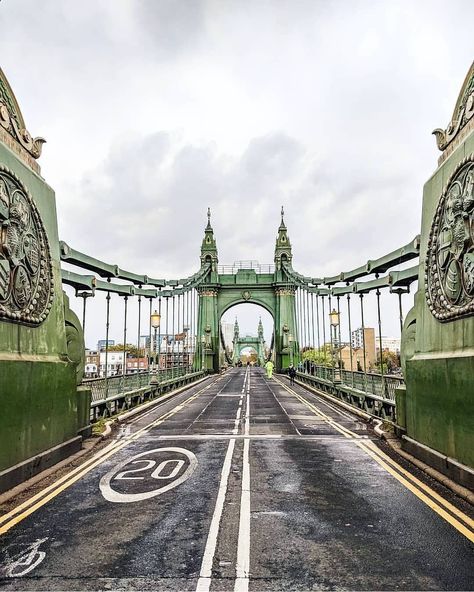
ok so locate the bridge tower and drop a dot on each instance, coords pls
(235, 352)
(286, 338)
(44, 410)
(208, 322)
(273, 290)
(261, 343)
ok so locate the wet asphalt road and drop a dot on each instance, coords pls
(239, 483)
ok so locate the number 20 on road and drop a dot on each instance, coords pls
(134, 479)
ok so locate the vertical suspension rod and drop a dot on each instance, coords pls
(350, 335)
(379, 321)
(124, 366)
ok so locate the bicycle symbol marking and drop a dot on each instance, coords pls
(22, 562)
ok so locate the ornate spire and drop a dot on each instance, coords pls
(283, 245)
(282, 224)
(208, 246)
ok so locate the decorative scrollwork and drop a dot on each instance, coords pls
(463, 113)
(26, 276)
(449, 274)
(207, 292)
(12, 121)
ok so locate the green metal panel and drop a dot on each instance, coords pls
(438, 351)
(38, 395)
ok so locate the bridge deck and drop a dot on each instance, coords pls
(279, 490)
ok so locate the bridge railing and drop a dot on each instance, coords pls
(259, 268)
(374, 393)
(118, 393)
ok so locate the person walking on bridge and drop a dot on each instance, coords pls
(292, 373)
(269, 368)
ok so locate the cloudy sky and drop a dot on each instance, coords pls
(156, 109)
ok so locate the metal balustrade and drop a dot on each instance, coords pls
(114, 393)
(259, 268)
(374, 393)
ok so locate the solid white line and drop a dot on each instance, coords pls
(236, 421)
(204, 581)
(243, 548)
(247, 410)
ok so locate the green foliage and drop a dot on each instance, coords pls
(132, 350)
(320, 357)
(98, 427)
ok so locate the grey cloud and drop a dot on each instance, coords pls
(172, 26)
(153, 193)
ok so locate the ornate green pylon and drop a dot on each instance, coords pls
(274, 291)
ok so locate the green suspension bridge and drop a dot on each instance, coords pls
(49, 407)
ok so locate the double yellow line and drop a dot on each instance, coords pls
(22, 511)
(437, 503)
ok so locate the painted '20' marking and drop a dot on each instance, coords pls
(169, 469)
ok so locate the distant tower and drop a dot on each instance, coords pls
(261, 344)
(260, 329)
(235, 353)
(283, 253)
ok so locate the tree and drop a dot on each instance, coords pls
(132, 350)
(390, 360)
(320, 357)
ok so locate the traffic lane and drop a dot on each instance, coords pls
(207, 391)
(266, 414)
(350, 523)
(304, 420)
(83, 533)
(178, 424)
(219, 415)
(86, 537)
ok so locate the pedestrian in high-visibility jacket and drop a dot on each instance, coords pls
(269, 368)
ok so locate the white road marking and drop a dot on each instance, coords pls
(205, 574)
(115, 474)
(204, 581)
(237, 421)
(24, 561)
(243, 547)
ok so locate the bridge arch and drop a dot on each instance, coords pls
(225, 286)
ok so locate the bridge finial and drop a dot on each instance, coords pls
(209, 217)
(282, 213)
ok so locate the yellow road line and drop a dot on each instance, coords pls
(70, 478)
(414, 479)
(417, 487)
(469, 534)
(419, 483)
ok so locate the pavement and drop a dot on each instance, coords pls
(239, 483)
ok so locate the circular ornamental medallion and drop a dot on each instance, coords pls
(26, 276)
(449, 277)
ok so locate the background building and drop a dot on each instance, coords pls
(228, 333)
(91, 369)
(135, 365)
(115, 361)
(102, 343)
(391, 344)
(358, 338)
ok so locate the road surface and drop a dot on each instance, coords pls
(239, 483)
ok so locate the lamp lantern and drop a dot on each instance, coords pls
(334, 316)
(155, 319)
